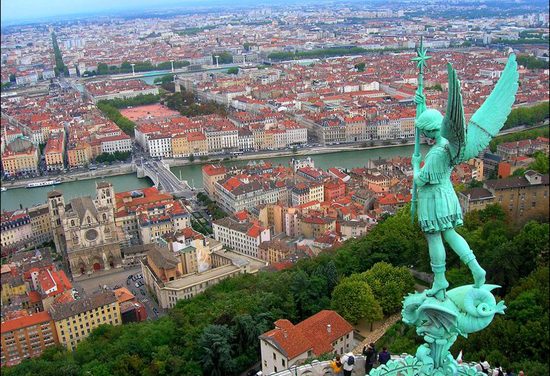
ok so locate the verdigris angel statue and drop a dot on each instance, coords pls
(456, 141)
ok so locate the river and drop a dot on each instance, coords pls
(13, 198)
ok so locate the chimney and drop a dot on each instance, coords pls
(329, 328)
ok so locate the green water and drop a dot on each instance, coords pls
(27, 197)
(13, 198)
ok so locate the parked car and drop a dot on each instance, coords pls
(142, 292)
(137, 285)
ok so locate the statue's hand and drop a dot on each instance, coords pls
(416, 159)
(419, 98)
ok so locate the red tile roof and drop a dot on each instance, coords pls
(311, 334)
(25, 321)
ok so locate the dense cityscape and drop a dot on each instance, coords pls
(217, 189)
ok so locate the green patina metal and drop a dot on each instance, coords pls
(440, 316)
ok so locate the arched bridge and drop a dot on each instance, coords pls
(163, 179)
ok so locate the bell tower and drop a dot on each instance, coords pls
(105, 194)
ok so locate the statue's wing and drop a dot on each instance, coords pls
(490, 117)
(454, 124)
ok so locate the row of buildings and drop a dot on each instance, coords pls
(56, 131)
(41, 309)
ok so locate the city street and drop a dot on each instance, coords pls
(89, 285)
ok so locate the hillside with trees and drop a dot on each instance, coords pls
(216, 333)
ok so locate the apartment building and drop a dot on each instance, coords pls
(210, 175)
(75, 320)
(522, 197)
(54, 153)
(235, 194)
(79, 154)
(16, 229)
(145, 215)
(26, 337)
(20, 156)
(240, 235)
(165, 272)
(41, 226)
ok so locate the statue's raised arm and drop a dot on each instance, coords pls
(466, 142)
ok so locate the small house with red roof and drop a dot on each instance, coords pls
(288, 344)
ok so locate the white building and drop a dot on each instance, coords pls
(324, 332)
(160, 146)
(120, 143)
(240, 236)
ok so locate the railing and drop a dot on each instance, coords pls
(404, 365)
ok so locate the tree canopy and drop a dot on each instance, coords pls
(200, 334)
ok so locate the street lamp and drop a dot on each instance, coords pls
(172, 61)
(133, 73)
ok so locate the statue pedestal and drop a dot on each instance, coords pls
(411, 366)
(464, 310)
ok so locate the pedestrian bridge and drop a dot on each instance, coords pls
(163, 179)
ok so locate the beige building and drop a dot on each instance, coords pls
(75, 320)
(41, 225)
(79, 154)
(197, 143)
(20, 156)
(274, 251)
(272, 215)
(180, 146)
(164, 270)
(210, 175)
(312, 227)
(522, 197)
(54, 152)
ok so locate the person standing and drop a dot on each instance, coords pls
(336, 366)
(483, 365)
(348, 361)
(384, 356)
(497, 371)
(369, 352)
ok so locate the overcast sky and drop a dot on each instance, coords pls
(37, 9)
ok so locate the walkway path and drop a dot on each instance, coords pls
(376, 334)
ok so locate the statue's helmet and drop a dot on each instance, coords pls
(429, 120)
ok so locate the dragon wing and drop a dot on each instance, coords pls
(490, 117)
(439, 316)
(453, 127)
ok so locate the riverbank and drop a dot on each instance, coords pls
(282, 153)
(122, 169)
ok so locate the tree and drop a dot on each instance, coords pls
(360, 67)
(389, 285)
(215, 348)
(294, 149)
(233, 70)
(354, 301)
(541, 163)
(191, 158)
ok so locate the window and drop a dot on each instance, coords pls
(274, 356)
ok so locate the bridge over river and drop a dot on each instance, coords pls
(164, 179)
